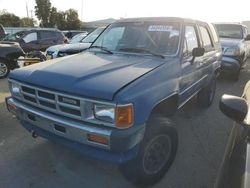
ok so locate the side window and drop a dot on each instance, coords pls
(30, 37)
(47, 34)
(190, 41)
(206, 40)
(214, 33)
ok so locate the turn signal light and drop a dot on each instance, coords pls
(124, 116)
(98, 139)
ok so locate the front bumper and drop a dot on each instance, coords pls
(122, 144)
(229, 65)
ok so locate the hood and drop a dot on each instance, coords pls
(88, 74)
(76, 47)
(229, 42)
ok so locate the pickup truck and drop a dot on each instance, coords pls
(114, 102)
(235, 42)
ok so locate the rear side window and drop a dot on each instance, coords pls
(47, 34)
(30, 37)
(190, 41)
(214, 33)
(206, 40)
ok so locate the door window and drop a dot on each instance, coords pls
(190, 41)
(30, 37)
(206, 40)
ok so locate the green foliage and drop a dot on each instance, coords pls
(9, 20)
(50, 17)
(27, 22)
(42, 11)
(72, 19)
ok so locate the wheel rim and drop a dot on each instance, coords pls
(157, 153)
(3, 69)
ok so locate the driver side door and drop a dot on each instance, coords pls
(190, 73)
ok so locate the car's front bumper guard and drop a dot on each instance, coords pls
(59, 126)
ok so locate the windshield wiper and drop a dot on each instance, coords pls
(102, 48)
(141, 50)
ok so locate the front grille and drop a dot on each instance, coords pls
(53, 102)
(57, 103)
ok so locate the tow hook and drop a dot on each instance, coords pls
(34, 135)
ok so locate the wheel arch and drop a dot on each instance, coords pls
(167, 106)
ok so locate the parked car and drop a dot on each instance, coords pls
(9, 53)
(114, 102)
(77, 44)
(235, 42)
(71, 33)
(234, 171)
(36, 40)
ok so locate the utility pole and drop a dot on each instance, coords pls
(31, 13)
(27, 10)
(82, 12)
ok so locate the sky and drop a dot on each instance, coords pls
(90, 10)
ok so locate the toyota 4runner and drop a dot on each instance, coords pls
(114, 102)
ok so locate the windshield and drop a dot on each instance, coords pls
(90, 38)
(77, 38)
(141, 37)
(14, 37)
(229, 31)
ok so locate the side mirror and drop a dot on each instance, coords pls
(197, 52)
(234, 107)
(248, 37)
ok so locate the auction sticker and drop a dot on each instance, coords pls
(162, 28)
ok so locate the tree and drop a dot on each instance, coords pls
(61, 20)
(72, 19)
(42, 11)
(53, 17)
(9, 20)
(27, 22)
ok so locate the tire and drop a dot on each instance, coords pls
(4, 69)
(206, 95)
(156, 153)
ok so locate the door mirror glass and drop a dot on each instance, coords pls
(234, 107)
(197, 52)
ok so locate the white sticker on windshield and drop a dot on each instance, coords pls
(162, 28)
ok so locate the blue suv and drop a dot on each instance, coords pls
(114, 102)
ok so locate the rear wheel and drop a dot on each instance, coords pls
(4, 69)
(156, 153)
(206, 95)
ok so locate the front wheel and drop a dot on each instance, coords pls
(4, 69)
(206, 95)
(156, 153)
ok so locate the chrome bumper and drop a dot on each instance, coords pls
(64, 127)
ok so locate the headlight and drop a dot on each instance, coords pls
(104, 112)
(121, 115)
(61, 54)
(232, 52)
(15, 89)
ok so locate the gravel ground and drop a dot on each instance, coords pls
(203, 133)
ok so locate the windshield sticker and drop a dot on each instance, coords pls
(162, 28)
